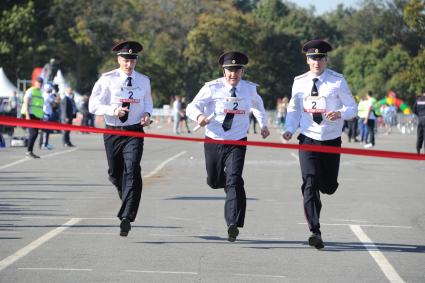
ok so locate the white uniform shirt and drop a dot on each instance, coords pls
(212, 99)
(334, 88)
(110, 91)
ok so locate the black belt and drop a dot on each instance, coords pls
(126, 128)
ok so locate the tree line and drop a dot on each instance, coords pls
(378, 46)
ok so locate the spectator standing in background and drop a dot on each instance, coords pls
(32, 109)
(68, 113)
(370, 120)
(177, 109)
(419, 110)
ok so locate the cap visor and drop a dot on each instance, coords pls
(316, 56)
(128, 56)
(232, 66)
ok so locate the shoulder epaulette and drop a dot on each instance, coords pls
(333, 73)
(213, 82)
(144, 76)
(110, 73)
(251, 83)
(300, 76)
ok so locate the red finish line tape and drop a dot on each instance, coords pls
(10, 121)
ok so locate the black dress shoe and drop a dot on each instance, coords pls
(315, 240)
(30, 154)
(125, 227)
(68, 145)
(232, 232)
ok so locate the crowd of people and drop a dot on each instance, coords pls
(371, 117)
(44, 102)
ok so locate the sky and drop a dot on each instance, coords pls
(325, 5)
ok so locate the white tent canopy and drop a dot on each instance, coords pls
(61, 82)
(6, 87)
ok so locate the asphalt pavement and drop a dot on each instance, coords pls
(58, 217)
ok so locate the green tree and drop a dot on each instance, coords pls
(16, 41)
(414, 15)
(410, 82)
(359, 67)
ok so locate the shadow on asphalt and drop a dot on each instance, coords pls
(203, 198)
(279, 244)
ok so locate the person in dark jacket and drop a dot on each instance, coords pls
(419, 110)
(68, 113)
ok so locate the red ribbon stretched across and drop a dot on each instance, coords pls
(10, 121)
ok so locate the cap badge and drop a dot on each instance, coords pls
(130, 51)
(316, 50)
(233, 61)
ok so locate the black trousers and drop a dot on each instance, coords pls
(33, 134)
(352, 128)
(124, 155)
(320, 174)
(224, 165)
(371, 130)
(421, 133)
(66, 137)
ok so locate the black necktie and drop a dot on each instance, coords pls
(126, 104)
(227, 123)
(317, 117)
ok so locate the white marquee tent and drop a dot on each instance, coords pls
(6, 87)
(63, 84)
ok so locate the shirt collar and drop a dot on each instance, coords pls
(229, 86)
(321, 77)
(124, 76)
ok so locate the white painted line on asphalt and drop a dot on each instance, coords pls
(379, 257)
(362, 225)
(9, 232)
(385, 226)
(162, 272)
(55, 269)
(37, 243)
(162, 165)
(260, 275)
(60, 152)
(13, 163)
(28, 159)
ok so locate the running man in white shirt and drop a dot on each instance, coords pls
(230, 98)
(123, 97)
(321, 101)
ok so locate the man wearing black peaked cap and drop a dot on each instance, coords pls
(321, 101)
(222, 107)
(123, 97)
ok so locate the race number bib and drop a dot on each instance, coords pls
(234, 105)
(128, 94)
(315, 104)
